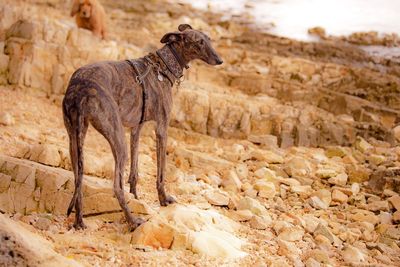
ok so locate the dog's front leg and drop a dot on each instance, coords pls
(133, 176)
(161, 136)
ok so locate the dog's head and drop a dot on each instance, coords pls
(193, 44)
(85, 8)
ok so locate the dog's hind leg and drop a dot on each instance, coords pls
(76, 126)
(133, 176)
(107, 121)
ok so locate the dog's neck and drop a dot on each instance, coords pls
(180, 57)
(173, 60)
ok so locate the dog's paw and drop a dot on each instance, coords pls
(79, 225)
(135, 223)
(167, 201)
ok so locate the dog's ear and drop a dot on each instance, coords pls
(171, 37)
(183, 27)
(75, 7)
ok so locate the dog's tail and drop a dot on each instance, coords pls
(75, 123)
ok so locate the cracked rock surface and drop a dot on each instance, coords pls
(286, 155)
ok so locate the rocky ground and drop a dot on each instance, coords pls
(287, 154)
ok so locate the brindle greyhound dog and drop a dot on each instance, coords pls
(111, 95)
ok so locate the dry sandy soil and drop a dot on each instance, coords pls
(286, 155)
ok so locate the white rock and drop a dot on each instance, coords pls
(312, 263)
(231, 181)
(6, 119)
(353, 255)
(265, 173)
(251, 204)
(340, 179)
(291, 234)
(34, 249)
(187, 227)
(324, 195)
(217, 198)
(317, 203)
(265, 188)
(260, 222)
(303, 190)
(355, 188)
(288, 248)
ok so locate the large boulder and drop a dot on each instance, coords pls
(180, 227)
(20, 246)
(27, 187)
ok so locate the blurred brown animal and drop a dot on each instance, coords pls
(90, 15)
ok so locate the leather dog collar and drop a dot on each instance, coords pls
(172, 60)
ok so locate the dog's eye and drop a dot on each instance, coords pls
(201, 42)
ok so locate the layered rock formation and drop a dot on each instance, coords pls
(288, 154)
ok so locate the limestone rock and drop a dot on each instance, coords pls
(266, 156)
(139, 207)
(265, 173)
(217, 198)
(260, 222)
(362, 145)
(396, 132)
(336, 151)
(339, 196)
(396, 216)
(46, 154)
(32, 248)
(385, 218)
(317, 203)
(191, 187)
(395, 201)
(364, 216)
(269, 141)
(310, 262)
(288, 248)
(204, 232)
(376, 159)
(251, 204)
(291, 234)
(358, 174)
(353, 255)
(231, 181)
(265, 188)
(43, 223)
(33, 187)
(242, 171)
(298, 166)
(320, 256)
(242, 215)
(378, 205)
(303, 190)
(324, 231)
(324, 195)
(326, 173)
(340, 179)
(311, 223)
(6, 119)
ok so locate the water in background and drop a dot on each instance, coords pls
(292, 18)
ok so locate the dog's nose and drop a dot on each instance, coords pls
(219, 61)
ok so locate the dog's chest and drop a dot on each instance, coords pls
(146, 101)
(85, 23)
